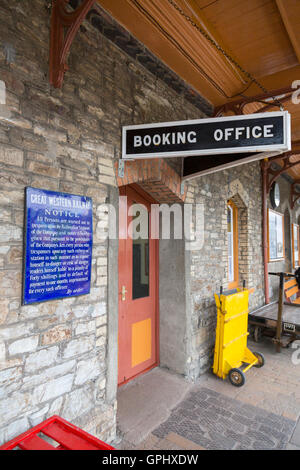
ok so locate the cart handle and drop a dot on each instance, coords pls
(284, 274)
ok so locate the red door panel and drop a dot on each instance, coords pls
(138, 287)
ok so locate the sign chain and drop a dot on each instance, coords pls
(220, 49)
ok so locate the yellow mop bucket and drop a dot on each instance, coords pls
(231, 350)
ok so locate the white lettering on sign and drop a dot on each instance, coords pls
(137, 141)
(229, 133)
(165, 139)
(238, 133)
(38, 199)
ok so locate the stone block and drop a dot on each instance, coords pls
(87, 370)
(39, 416)
(15, 255)
(78, 402)
(79, 346)
(47, 375)
(14, 429)
(16, 331)
(5, 215)
(99, 309)
(24, 345)
(81, 311)
(10, 233)
(2, 351)
(55, 408)
(14, 406)
(4, 310)
(41, 359)
(83, 328)
(102, 331)
(56, 335)
(50, 134)
(52, 389)
(43, 169)
(11, 155)
(8, 376)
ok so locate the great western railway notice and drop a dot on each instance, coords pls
(58, 245)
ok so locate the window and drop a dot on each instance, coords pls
(295, 244)
(232, 237)
(276, 237)
(140, 260)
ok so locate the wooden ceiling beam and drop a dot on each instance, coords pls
(177, 43)
(198, 16)
(290, 14)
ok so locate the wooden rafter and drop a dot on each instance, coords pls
(198, 16)
(64, 26)
(237, 106)
(290, 11)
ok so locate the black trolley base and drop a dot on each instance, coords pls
(278, 320)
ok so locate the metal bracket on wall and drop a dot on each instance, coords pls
(121, 169)
(182, 188)
(295, 193)
(269, 100)
(272, 175)
(64, 26)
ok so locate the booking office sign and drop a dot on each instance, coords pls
(209, 145)
(58, 245)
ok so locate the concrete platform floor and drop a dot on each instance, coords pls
(163, 411)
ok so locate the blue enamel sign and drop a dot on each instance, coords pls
(58, 245)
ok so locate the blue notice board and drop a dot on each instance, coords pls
(58, 245)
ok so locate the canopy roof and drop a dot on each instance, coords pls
(238, 55)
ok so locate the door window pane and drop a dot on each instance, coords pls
(140, 263)
(296, 248)
(276, 248)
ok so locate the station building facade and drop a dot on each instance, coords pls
(61, 356)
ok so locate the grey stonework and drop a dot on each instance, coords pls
(55, 357)
(60, 357)
(209, 265)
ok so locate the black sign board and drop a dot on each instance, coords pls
(206, 164)
(264, 132)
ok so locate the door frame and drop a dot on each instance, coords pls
(151, 200)
(235, 231)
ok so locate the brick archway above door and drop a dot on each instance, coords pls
(156, 177)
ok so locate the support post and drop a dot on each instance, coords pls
(279, 316)
(265, 166)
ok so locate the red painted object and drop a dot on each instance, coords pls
(67, 436)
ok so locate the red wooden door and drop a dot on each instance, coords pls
(138, 286)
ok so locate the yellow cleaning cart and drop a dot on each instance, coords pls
(231, 350)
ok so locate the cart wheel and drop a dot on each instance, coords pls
(237, 377)
(261, 359)
(257, 334)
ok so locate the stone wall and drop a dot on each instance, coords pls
(60, 357)
(55, 356)
(209, 266)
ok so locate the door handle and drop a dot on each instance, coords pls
(123, 293)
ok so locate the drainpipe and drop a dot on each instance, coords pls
(264, 167)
